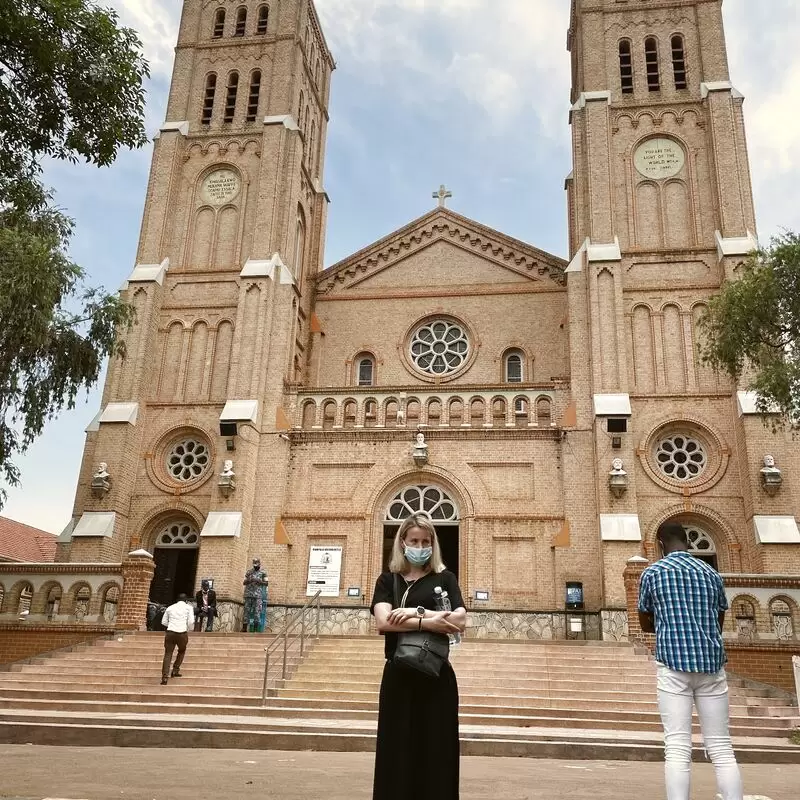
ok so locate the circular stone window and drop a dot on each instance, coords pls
(187, 459)
(439, 347)
(685, 456)
(681, 457)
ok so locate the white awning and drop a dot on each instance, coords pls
(620, 528)
(95, 523)
(223, 524)
(239, 411)
(776, 530)
(748, 404)
(120, 412)
(149, 273)
(612, 405)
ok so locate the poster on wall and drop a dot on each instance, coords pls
(324, 571)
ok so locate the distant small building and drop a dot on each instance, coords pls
(20, 542)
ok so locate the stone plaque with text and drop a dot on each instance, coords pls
(659, 158)
(220, 187)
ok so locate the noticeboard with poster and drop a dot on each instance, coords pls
(324, 571)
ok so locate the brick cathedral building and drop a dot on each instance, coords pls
(564, 408)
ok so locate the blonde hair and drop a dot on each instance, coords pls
(398, 562)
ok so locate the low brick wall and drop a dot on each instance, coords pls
(18, 642)
(768, 662)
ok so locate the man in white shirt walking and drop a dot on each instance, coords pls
(178, 619)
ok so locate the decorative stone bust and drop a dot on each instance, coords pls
(771, 476)
(420, 450)
(227, 478)
(618, 478)
(101, 480)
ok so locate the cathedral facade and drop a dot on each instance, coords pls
(269, 407)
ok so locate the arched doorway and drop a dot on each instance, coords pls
(175, 554)
(438, 506)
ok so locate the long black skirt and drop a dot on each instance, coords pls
(417, 736)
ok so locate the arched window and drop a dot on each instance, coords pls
(53, 602)
(230, 97)
(626, 66)
(311, 154)
(110, 603)
(651, 60)
(82, 598)
(514, 367)
(365, 371)
(300, 242)
(679, 62)
(701, 545)
(219, 24)
(208, 99)
(241, 22)
(521, 412)
(25, 599)
(178, 534)
(262, 21)
(252, 97)
(429, 500)
(780, 613)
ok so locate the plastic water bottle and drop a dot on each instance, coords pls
(443, 604)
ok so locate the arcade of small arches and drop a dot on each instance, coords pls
(490, 410)
(776, 619)
(50, 601)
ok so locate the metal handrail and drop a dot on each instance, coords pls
(283, 639)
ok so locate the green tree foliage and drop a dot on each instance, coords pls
(753, 327)
(71, 88)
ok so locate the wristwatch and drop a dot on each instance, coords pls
(420, 611)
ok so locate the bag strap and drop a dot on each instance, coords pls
(396, 590)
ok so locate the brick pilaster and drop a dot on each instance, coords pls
(137, 573)
(632, 575)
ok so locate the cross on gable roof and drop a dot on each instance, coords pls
(442, 224)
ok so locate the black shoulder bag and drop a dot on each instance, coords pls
(422, 651)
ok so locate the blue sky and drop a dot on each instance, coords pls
(471, 93)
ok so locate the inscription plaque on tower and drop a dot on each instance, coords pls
(659, 158)
(220, 187)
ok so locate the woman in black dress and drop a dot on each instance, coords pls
(418, 715)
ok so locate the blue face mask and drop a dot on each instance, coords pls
(419, 556)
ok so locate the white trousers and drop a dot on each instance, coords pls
(677, 691)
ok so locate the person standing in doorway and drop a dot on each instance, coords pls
(417, 750)
(206, 601)
(256, 584)
(682, 600)
(177, 619)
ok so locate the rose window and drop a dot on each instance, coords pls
(187, 459)
(681, 457)
(428, 500)
(439, 347)
(178, 534)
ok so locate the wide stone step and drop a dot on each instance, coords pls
(558, 744)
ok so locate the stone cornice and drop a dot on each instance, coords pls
(58, 568)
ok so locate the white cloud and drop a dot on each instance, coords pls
(462, 47)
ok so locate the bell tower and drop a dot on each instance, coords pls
(232, 233)
(660, 212)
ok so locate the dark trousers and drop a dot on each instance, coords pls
(171, 641)
(209, 617)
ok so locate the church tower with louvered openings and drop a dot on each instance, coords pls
(232, 236)
(546, 413)
(660, 214)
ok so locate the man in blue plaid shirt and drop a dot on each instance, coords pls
(682, 600)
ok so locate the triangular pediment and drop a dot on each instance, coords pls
(440, 249)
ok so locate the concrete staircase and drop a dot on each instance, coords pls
(537, 699)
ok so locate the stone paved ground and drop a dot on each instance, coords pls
(30, 772)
